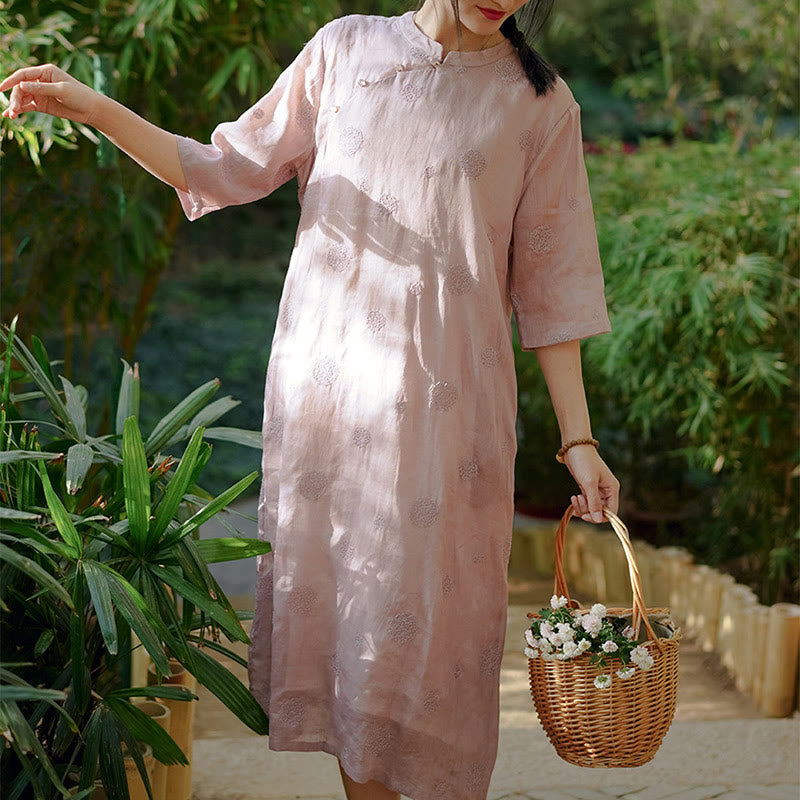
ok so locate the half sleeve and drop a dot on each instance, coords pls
(556, 279)
(251, 157)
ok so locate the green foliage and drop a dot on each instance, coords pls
(700, 248)
(94, 549)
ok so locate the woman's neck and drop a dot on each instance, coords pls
(437, 21)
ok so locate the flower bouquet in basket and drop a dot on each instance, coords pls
(604, 681)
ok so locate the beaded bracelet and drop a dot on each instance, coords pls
(560, 454)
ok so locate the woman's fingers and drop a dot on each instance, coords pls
(26, 74)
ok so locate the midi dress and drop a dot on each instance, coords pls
(437, 194)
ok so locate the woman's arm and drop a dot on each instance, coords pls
(50, 90)
(561, 367)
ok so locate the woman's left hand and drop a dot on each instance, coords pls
(597, 483)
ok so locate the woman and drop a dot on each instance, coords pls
(424, 145)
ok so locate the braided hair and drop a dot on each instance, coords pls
(532, 17)
(541, 74)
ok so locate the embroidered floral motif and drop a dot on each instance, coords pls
(418, 53)
(378, 739)
(410, 92)
(358, 641)
(302, 600)
(335, 665)
(424, 512)
(431, 701)
(400, 407)
(416, 288)
(472, 164)
(478, 557)
(339, 257)
(273, 430)
(429, 171)
(508, 70)
(444, 789)
(350, 140)
(380, 522)
(292, 710)
(541, 239)
(403, 628)
(375, 321)
(489, 660)
(258, 113)
(516, 300)
(361, 437)
(448, 586)
(388, 204)
(285, 173)
(573, 203)
(312, 485)
(468, 469)
(442, 396)
(287, 313)
(476, 776)
(325, 371)
(490, 357)
(458, 671)
(346, 546)
(525, 140)
(459, 280)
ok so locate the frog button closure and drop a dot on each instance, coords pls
(435, 62)
(362, 82)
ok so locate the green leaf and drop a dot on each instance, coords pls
(128, 401)
(136, 480)
(209, 604)
(92, 736)
(75, 409)
(133, 608)
(215, 551)
(97, 581)
(20, 693)
(212, 508)
(252, 439)
(42, 359)
(79, 459)
(166, 428)
(61, 518)
(146, 729)
(212, 412)
(229, 689)
(177, 487)
(44, 641)
(13, 513)
(167, 692)
(30, 568)
(112, 764)
(12, 456)
(12, 329)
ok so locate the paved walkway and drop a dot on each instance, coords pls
(719, 746)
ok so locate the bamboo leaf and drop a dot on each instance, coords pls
(229, 689)
(60, 516)
(177, 487)
(167, 692)
(240, 436)
(206, 602)
(133, 608)
(75, 409)
(12, 456)
(215, 551)
(79, 459)
(13, 513)
(12, 330)
(128, 401)
(35, 572)
(92, 736)
(212, 508)
(136, 480)
(146, 729)
(112, 764)
(180, 415)
(212, 412)
(97, 581)
(42, 359)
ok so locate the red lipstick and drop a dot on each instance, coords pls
(490, 14)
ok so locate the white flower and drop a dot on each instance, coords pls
(628, 632)
(598, 609)
(558, 602)
(566, 633)
(571, 649)
(546, 631)
(530, 638)
(545, 647)
(625, 672)
(549, 656)
(641, 657)
(531, 652)
(583, 646)
(591, 624)
(610, 647)
(602, 681)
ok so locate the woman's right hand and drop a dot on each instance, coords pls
(48, 89)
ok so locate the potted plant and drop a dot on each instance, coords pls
(98, 539)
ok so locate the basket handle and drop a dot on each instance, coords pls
(639, 607)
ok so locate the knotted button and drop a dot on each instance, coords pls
(435, 62)
(399, 67)
(362, 82)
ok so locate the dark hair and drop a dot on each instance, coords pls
(519, 29)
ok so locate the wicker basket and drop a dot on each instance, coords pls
(620, 726)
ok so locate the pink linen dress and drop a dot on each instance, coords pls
(390, 402)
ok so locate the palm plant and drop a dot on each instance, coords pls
(98, 539)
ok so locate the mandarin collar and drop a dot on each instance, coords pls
(426, 48)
